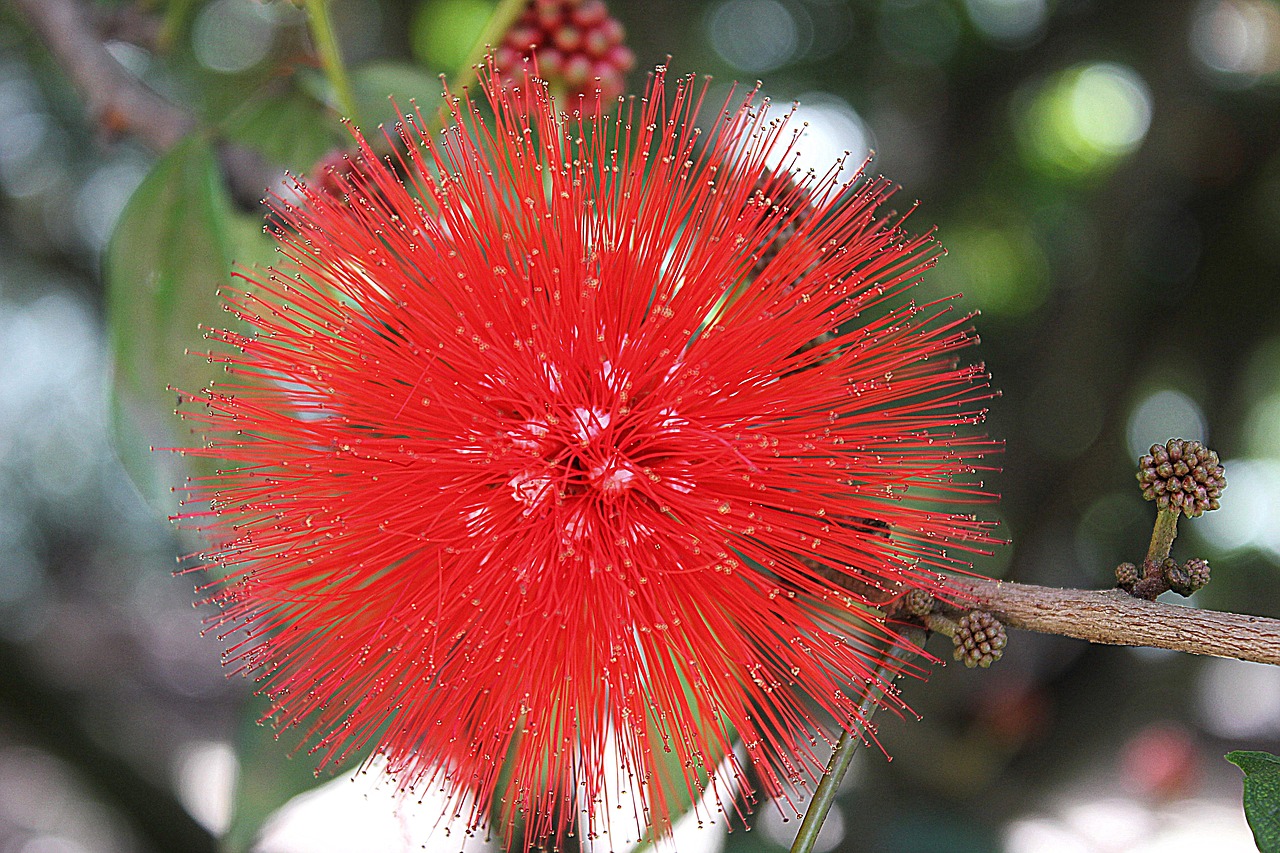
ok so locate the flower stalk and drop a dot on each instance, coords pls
(1162, 535)
(824, 796)
(500, 20)
(1182, 478)
(320, 23)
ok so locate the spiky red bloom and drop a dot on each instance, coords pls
(549, 450)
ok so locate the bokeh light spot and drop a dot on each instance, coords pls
(1110, 108)
(1161, 416)
(233, 35)
(1000, 267)
(1010, 23)
(1086, 119)
(28, 165)
(830, 128)
(206, 772)
(1250, 513)
(1039, 835)
(753, 35)
(103, 197)
(1237, 37)
(1221, 684)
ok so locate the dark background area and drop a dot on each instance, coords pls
(1106, 178)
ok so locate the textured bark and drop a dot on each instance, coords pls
(1114, 617)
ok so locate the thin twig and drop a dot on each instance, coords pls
(842, 756)
(116, 99)
(1163, 533)
(335, 70)
(1114, 617)
(500, 20)
(121, 103)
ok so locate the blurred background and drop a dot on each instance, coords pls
(1106, 178)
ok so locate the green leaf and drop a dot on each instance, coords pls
(273, 34)
(443, 31)
(674, 773)
(1261, 796)
(166, 260)
(377, 85)
(251, 246)
(291, 129)
(272, 772)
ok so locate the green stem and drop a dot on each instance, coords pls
(825, 796)
(176, 15)
(940, 623)
(500, 811)
(500, 20)
(321, 25)
(559, 93)
(1162, 535)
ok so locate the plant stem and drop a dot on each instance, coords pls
(176, 14)
(321, 25)
(842, 756)
(1162, 535)
(115, 98)
(500, 20)
(940, 623)
(1115, 617)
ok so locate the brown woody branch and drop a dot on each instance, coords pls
(1114, 617)
(116, 99)
(121, 103)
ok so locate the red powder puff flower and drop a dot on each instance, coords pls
(584, 443)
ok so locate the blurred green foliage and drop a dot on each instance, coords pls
(1261, 796)
(444, 31)
(170, 245)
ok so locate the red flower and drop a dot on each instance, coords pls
(589, 432)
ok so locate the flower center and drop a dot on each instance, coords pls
(577, 455)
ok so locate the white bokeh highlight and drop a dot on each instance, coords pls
(1163, 415)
